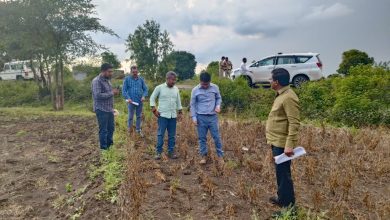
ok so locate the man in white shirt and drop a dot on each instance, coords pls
(243, 66)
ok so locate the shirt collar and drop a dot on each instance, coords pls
(102, 77)
(135, 78)
(282, 90)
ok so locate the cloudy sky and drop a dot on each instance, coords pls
(255, 28)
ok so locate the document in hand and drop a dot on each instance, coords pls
(298, 151)
(134, 103)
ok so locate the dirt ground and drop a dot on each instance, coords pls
(345, 175)
(44, 167)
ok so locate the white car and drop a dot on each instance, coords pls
(302, 67)
(17, 70)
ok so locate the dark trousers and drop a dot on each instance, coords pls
(283, 179)
(106, 128)
(166, 124)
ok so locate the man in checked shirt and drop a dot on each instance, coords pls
(103, 105)
(134, 91)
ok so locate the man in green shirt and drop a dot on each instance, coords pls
(282, 133)
(169, 104)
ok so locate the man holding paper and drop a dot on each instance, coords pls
(282, 133)
(134, 91)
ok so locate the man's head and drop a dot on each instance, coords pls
(134, 70)
(171, 78)
(280, 78)
(106, 70)
(205, 79)
(226, 58)
(244, 60)
(222, 58)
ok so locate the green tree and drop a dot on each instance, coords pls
(111, 58)
(181, 62)
(52, 32)
(148, 46)
(353, 58)
(213, 69)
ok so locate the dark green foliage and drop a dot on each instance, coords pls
(111, 58)
(353, 58)
(181, 62)
(213, 69)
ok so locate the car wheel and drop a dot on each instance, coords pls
(19, 77)
(298, 80)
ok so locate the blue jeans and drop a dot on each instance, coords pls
(138, 113)
(106, 128)
(283, 179)
(164, 124)
(206, 123)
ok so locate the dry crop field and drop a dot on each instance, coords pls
(44, 168)
(45, 173)
(345, 175)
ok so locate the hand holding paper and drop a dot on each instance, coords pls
(298, 151)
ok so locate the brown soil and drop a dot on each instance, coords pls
(39, 157)
(344, 175)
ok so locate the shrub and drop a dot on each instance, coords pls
(19, 93)
(317, 99)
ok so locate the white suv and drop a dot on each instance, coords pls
(18, 70)
(301, 66)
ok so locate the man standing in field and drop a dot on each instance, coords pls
(282, 133)
(229, 67)
(134, 91)
(169, 109)
(205, 105)
(222, 67)
(103, 105)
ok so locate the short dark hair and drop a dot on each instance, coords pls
(244, 60)
(282, 76)
(205, 77)
(133, 67)
(222, 58)
(227, 58)
(105, 67)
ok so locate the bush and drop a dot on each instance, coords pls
(20, 93)
(360, 99)
(317, 99)
(363, 98)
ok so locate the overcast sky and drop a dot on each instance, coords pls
(255, 28)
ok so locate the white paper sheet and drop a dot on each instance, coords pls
(134, 103)
(298, 151)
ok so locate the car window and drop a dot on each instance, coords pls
(6, 67)
(267, 61)
(303, 59)
(256, 64)
(286, 60)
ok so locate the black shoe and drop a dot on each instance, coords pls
(172, 156)
(157, 157)
(274, 200)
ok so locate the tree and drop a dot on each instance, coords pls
(51, 32)
(111, 58)
(213, 69)
(181, 62)
(353, 58)
(148, 46)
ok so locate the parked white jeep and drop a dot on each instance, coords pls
(17, 70)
